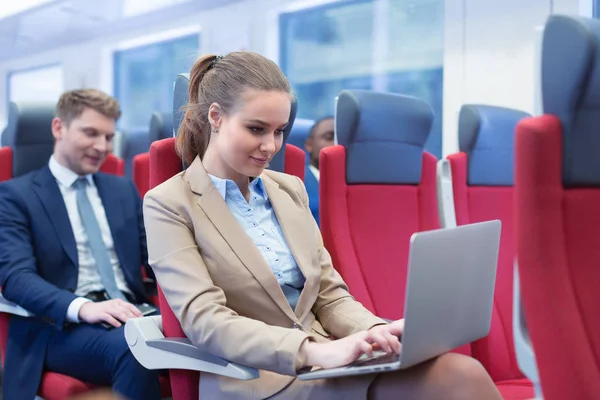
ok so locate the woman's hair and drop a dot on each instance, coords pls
(222, 80)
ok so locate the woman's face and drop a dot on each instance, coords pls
(251, 135)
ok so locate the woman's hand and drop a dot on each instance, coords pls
(387, 337)
(338, 353)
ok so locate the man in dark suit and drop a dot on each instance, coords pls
(72, 243)
(319, 137)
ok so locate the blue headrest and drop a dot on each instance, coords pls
(571, 91)
(180, 100)
(29, 133)
(487, 135)
(161, 126)
(300, 132)
(383, 134)
(278, 161)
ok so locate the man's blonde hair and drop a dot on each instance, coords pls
(72, 103)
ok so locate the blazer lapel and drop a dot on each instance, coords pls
(242, 245)
(293, 225)
(46, 188)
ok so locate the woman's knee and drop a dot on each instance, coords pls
(463, 377)
(461, 368)
(448, 377)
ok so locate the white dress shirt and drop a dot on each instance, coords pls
(257, 217)
(315, 171)
(88, 279)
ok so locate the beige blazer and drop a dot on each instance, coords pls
(223, 291)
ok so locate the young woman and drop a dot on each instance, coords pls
(242, 264)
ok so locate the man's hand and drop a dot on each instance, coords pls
(113, 312)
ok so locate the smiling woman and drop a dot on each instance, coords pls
(248, 138)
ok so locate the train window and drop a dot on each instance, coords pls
(384, 45)
(43, 83)
(144, 75)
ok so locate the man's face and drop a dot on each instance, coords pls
(84, 143)
(322, 137)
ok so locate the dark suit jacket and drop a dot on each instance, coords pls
(312, 188)
(39, 263)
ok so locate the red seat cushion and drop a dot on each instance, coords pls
(60, 387)
(516, 389)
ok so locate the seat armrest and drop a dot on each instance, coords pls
(11, 308)
(445, 194)
(150, 347)
(523, 347)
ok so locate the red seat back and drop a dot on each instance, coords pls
(184, 383)
(294, 161)
(377, 188)
(367, 229)
(557, 195)
(161, 127)
(559, 252)
(53, 386)
(141, 173)
(6, 163)
(164, 164)
(113, 165)
(482, 180)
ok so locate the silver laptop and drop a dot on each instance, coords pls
(449, 298)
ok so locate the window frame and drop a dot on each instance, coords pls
(159, 39)
(379, 81)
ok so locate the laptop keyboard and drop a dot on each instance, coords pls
(377, 360)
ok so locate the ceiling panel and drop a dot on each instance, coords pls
(63, 22)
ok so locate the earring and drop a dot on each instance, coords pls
(216, 130)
